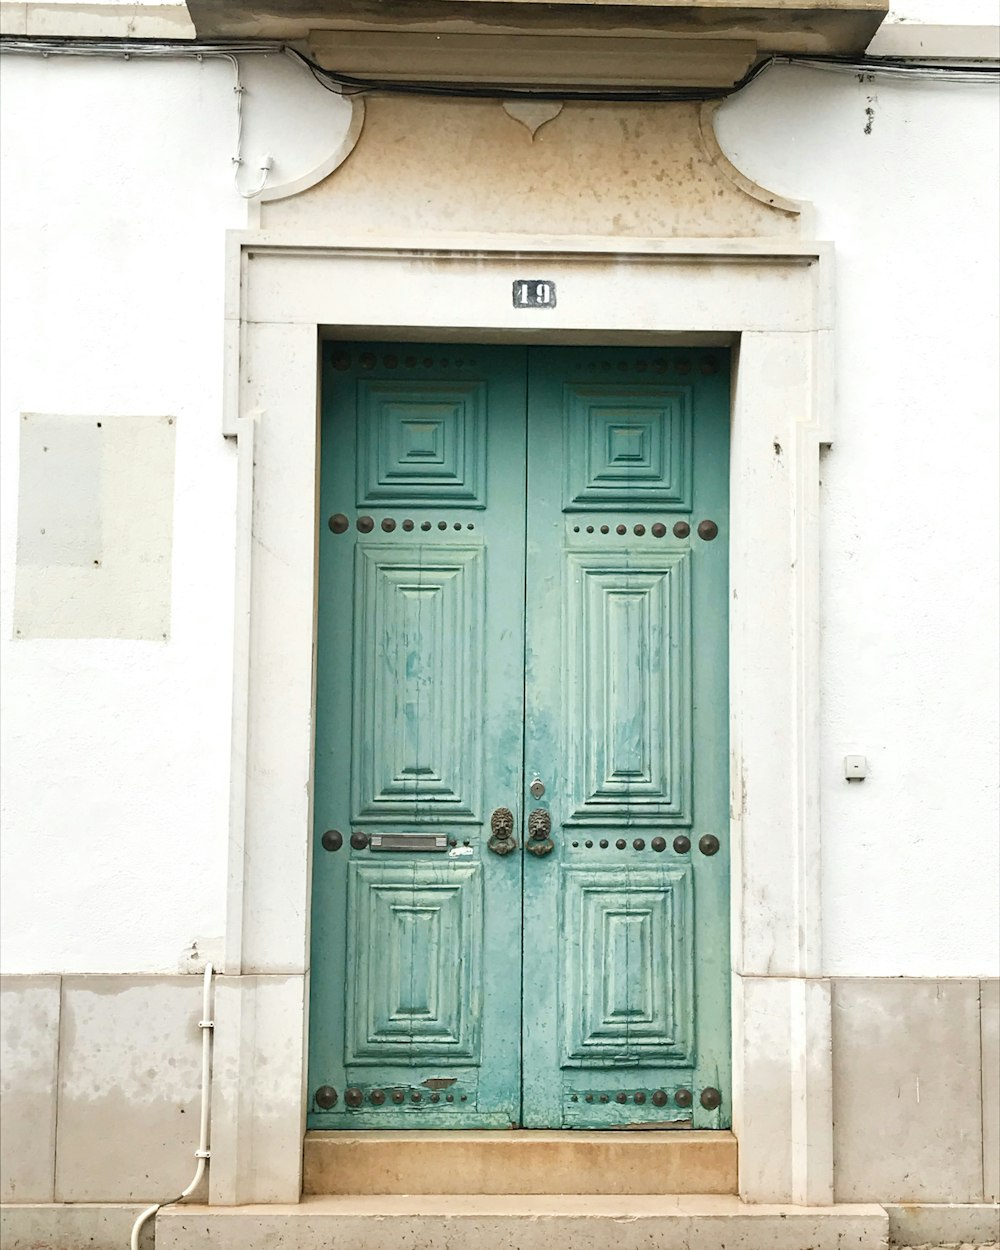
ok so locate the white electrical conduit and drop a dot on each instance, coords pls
(150, 48)
(266, 161)
(202, 1154)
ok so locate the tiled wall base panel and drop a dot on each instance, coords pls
(908, 1067)
(923, 1224)
(989, 1019)
(129, 1087)
(101, 1079)
(77, 1226)
(101, 1087)
(29, 1049)
(102, 1073)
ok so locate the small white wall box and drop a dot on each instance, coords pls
(855, 767)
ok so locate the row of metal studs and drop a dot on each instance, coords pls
(327, 1098)
(710, 1097)
(682, 844)
(659, 1097)
(708, 844)
(368, 360)
(340, 524)
(706, 529)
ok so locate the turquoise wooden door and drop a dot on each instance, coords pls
(520, 868)
(626, 1006)
(415, 1000)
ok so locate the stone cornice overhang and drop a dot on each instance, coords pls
(614, 44)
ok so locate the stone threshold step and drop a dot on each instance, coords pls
(515, 1222)
(520, 1161)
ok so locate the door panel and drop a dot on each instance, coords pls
(415, 984)
(627, 687)
(555, 645)
(625, 927)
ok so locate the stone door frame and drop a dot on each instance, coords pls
(770, 299)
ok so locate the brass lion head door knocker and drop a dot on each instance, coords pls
(502, 840)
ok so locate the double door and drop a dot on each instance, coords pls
(520, 867)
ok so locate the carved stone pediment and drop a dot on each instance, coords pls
(426, 166)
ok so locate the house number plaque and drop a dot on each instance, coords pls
(534, 293)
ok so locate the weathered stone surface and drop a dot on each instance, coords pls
(650, 171)
(907, 1090)
(989, 1013)
(76, 1226)
(520, 1162)
(29, 1048)
(920, 1224)
(475, 1222)
(129, 1088)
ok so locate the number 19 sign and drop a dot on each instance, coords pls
(534, 294)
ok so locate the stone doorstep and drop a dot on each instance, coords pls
(508, 1222)
(520, 1162)
(72, 1225)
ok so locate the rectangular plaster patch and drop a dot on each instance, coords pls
(95, 527)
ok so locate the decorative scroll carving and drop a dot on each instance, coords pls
(533, 114)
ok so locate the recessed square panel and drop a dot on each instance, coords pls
(627, 989)
(627, 446)
(630, 445)
(421, 443)
(414, 937)
(421, 440)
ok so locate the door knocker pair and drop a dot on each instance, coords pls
(502, 840)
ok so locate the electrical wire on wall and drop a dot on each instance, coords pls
(266, 161)
(866, 68)
(198, 50)
(968, 71)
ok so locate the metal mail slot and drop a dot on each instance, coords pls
(408, 842)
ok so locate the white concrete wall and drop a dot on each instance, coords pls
(907, 192)
(947, 12)
(117, 193)
(116, 753)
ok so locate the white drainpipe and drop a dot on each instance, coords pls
(202, 1154)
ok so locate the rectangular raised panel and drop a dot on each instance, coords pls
(418, 684)
(628, 447)
(627, 683)
(413, 977)
(422, 443)
(628, 967)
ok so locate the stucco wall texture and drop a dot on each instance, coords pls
(116, 750)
